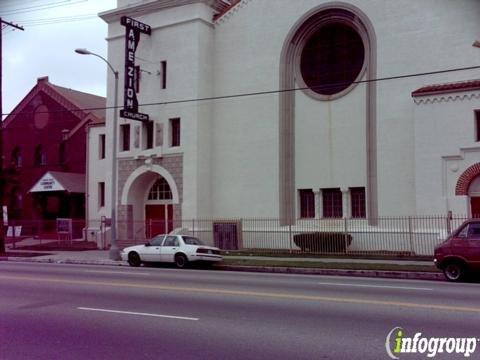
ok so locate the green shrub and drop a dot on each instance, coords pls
(330, 242)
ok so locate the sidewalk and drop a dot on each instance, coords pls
(319, 266)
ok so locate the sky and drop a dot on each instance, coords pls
(53, 29)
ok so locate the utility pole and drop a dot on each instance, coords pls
(2, 182)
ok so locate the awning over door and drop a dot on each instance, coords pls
(60, 181)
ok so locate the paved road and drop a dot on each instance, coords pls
(52, 311)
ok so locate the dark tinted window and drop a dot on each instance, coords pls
(332, 58)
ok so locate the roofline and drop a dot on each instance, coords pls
(233, 4)
(447, 88)
(145, 8)
(44, 85)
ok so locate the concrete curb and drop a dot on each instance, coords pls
(64, 261)
(412, 275)
(391, 274)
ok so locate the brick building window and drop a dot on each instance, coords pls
(307, 203)
(15, 200)
(40, 158)
(125, 137)
(357, 200)
(61, 154)
(17, 157)
(332, 203)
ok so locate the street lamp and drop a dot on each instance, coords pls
(114, 252)
(476, 44)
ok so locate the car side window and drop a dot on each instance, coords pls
(171, 241)
(474, 231)
(464, 232)
(157, 240)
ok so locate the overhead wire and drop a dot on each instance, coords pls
(57, 20)
(259, 93)
(42, 7)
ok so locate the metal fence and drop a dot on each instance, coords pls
(395, 236)
(44, 234)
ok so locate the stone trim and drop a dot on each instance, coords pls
(172, 164)
(466, 178)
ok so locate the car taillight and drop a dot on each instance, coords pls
(207, 251)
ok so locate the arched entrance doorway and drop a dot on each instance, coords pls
(474, 194)
(150, 202)
(159, 209)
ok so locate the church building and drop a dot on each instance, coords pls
(289, 110)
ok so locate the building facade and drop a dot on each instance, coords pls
(295, 110)
(45, 153)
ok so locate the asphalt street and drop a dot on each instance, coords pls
(55, 311)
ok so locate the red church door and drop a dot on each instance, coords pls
(475, 206)
(158, 219)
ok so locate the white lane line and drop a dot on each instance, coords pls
(140, 314)
(116, 272)
(377, 286)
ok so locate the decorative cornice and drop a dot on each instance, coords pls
(453, 91)
(236, 7)
(164, 26)
(432, 99)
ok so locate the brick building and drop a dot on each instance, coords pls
(45, 153)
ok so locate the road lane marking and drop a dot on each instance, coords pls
(245, 293)
(116, 272)
(376, 286)
(139, 314)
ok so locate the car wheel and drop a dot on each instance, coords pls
(454, 271)
(181, 261)
(134, 259)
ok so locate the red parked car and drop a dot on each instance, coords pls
(459, 255)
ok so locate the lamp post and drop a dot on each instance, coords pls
(114, 252)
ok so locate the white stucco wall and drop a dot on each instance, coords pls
(230, 146)
(445, 147)
(95, 176)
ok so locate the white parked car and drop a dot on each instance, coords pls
(178, 249)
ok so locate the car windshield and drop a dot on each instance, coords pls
(192, 241)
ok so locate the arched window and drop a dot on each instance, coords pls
(40, 156)
(160, 190)
(332, 58)
(17, 157)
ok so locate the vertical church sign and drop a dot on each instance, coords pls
(133, 28)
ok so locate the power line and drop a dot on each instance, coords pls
(52, 21)
(42, 7)
(258, 93)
